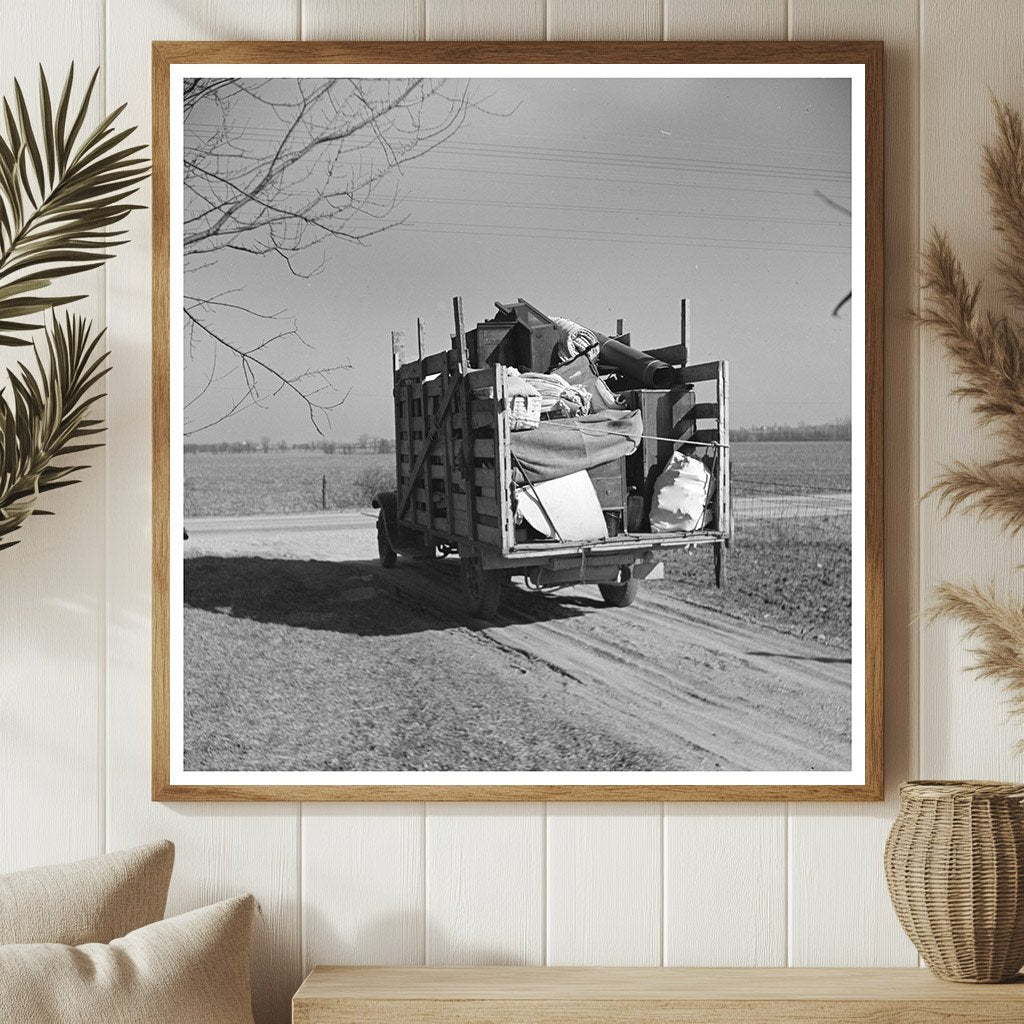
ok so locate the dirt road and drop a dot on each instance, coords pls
(662, 685)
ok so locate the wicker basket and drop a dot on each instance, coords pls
(954, 861)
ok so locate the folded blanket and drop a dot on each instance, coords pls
(560, 447)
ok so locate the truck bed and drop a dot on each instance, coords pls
(454, 471)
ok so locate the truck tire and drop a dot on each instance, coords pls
(388, 555)
(619, 595)
(483, 588)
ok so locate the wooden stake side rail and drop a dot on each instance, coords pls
(451, 450)
(627, 995)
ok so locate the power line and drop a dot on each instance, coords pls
(798, 246)
(624, 239)
(653, 163)
(617, 136)
(582, 234)
(577, 179)
(562, 207)
(273, 134)
(551, 154)
(662, 138)
(618, 209)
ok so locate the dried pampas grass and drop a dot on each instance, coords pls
(987, 354)
(997, 630)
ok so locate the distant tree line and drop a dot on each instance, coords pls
(840, 430)
(364, 445)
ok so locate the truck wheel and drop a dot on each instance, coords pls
(619, 595)
(388, 555)
(483, 588)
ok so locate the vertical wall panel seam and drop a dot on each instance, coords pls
(921, 448)
(920, 505)
(424, 19)
(787, 846)
(547, 880)
(915, 342)
(662, 904)
(787, 888)
(544, 869)
(300, 885)
(917, 483)
(102, 726)
(425, 909)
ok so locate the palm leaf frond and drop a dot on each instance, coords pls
(45, 417)
(63, 190)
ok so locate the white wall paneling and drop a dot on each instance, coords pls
(964, 725)
(718, 849)
(584, 19)
(485, 883)
(221, 848)
(511, 883)
(363, 892)
(604, 877)
(363, 19)
(727, 19)
(477, 19)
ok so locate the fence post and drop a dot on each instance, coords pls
(323, 492)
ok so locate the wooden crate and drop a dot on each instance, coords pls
(700, 429)
(609, 483)
(664, 413)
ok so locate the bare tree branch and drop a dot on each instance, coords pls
(249, 362)
(281, 167)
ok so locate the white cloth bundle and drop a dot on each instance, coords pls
(573, 338)
(559, 398)
(524, 401)
(680, 498)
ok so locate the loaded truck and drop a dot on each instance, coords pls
(464, 474)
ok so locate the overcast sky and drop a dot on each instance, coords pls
(594, 199)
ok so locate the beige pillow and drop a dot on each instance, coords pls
(93, 900)
(191, 969)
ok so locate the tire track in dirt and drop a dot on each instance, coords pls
(666, 672)
(705, 687)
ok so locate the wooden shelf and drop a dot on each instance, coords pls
(628, 995)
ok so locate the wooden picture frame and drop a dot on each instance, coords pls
(868, 56)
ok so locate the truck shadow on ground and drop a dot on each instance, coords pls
(356, 597)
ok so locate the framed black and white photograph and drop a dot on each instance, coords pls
(517, 421)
